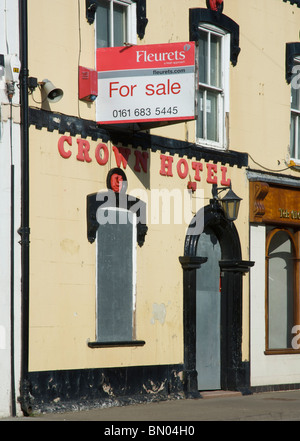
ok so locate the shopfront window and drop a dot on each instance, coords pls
(281, 259)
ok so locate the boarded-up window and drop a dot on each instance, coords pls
(116, 276)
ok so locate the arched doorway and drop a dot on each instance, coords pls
(218, 248)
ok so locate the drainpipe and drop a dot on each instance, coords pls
(12, 269)
(24, 230)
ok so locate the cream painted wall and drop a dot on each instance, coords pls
(63, 292)
(62, 309)
(259, 125)
(259, 94)
(60, 39)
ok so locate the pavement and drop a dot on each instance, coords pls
(214, 406)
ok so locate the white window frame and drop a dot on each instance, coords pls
(296, 123)
(131, 35)
(223, 97)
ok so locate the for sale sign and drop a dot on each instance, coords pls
(146, 83)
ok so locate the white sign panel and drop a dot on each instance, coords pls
(146, 83)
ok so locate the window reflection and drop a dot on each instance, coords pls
(280, 290)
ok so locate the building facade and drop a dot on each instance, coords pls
(138, 121)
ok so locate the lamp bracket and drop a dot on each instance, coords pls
(217, 190)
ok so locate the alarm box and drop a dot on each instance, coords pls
(88, 84)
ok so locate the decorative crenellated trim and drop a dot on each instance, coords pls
(85, 128)
(293, 2)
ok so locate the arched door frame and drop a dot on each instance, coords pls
(234, 373)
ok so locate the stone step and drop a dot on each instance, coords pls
(220, 394)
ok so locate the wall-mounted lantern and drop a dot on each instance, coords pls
(230, 202)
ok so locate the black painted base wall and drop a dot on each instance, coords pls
(81, 389)
(70, 390)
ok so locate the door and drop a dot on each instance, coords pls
(208, 313)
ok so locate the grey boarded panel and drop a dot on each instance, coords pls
(208, 310)
(115, 281)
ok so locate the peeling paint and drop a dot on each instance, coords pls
(180, 375)
(155, 389)
(159, 313)
(108, 389)
(87, 389)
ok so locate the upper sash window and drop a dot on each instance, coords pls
(115, 23)
(213, 86)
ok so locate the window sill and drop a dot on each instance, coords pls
(113, 344)
(281, 351)
(210, 145)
